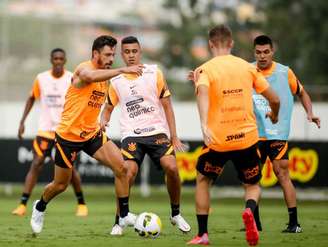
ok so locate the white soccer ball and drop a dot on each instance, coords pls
(148, 225)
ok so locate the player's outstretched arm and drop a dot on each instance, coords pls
(86, 75)
(274, 102)
(28, 106)
(105, 116)
(170, 118)
(307, 104)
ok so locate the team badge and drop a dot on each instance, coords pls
(132, 146)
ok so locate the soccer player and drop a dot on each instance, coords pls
(147, 125)
(50, 88)
(79, 130)
(224, 88)
(274, 138)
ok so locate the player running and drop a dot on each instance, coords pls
(274, 137)
(224, 87)
(50, 88)
(79, 130)
(147, 125)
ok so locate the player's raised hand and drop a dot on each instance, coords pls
(178, 145)
(314, 119)
(272, 116)
(21, 130)
(191, 76)
(135, 69)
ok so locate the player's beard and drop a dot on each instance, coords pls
(104, 65)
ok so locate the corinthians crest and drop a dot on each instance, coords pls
(132, 146)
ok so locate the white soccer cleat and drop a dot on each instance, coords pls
(116, 230)
(37, 219)
(128, 220)
(181, 223)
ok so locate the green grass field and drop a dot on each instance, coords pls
(63, 229)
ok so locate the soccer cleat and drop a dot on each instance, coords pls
(20, 210)
(128, 220)
(293, 229)
(82, 210)
(116, 230)
(252, 234)
(181, 223)
(37, 219)
(203, 240)
(258, 225)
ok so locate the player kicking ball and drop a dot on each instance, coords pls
(147, 125)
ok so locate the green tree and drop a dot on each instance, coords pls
(300, 29)
(188, 22)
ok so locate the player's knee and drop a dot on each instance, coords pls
(171, 170)
(252, 186)
(37, 161)
(121, 171)
(132, 174)
(37, 164)
(282, 174)
(61, 187)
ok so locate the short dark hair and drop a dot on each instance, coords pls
(129, 40)
(263, 40)
(220, 34)
(57, 50)
(102, 41)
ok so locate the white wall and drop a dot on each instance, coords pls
(186, 117)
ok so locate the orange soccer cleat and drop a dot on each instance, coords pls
(82, 210)
(20, 210)
(203, 240)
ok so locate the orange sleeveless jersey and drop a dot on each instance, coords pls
(79, 121)
(231, 119)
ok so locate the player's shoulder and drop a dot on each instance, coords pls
(85, 64)
(117, 78)
(279, 67)
(43, 74)
(241, 61)
(151, 69)
(204, 66)
(68, 73)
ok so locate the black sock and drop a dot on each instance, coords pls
(257, 218)
(292, 216)
(202, 224)
(123, 202)
(117, 217)
(250, 203)
(80, 197)
(24, 198)
(175, 209)
(41, 205)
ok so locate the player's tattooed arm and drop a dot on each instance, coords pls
(86, 75)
